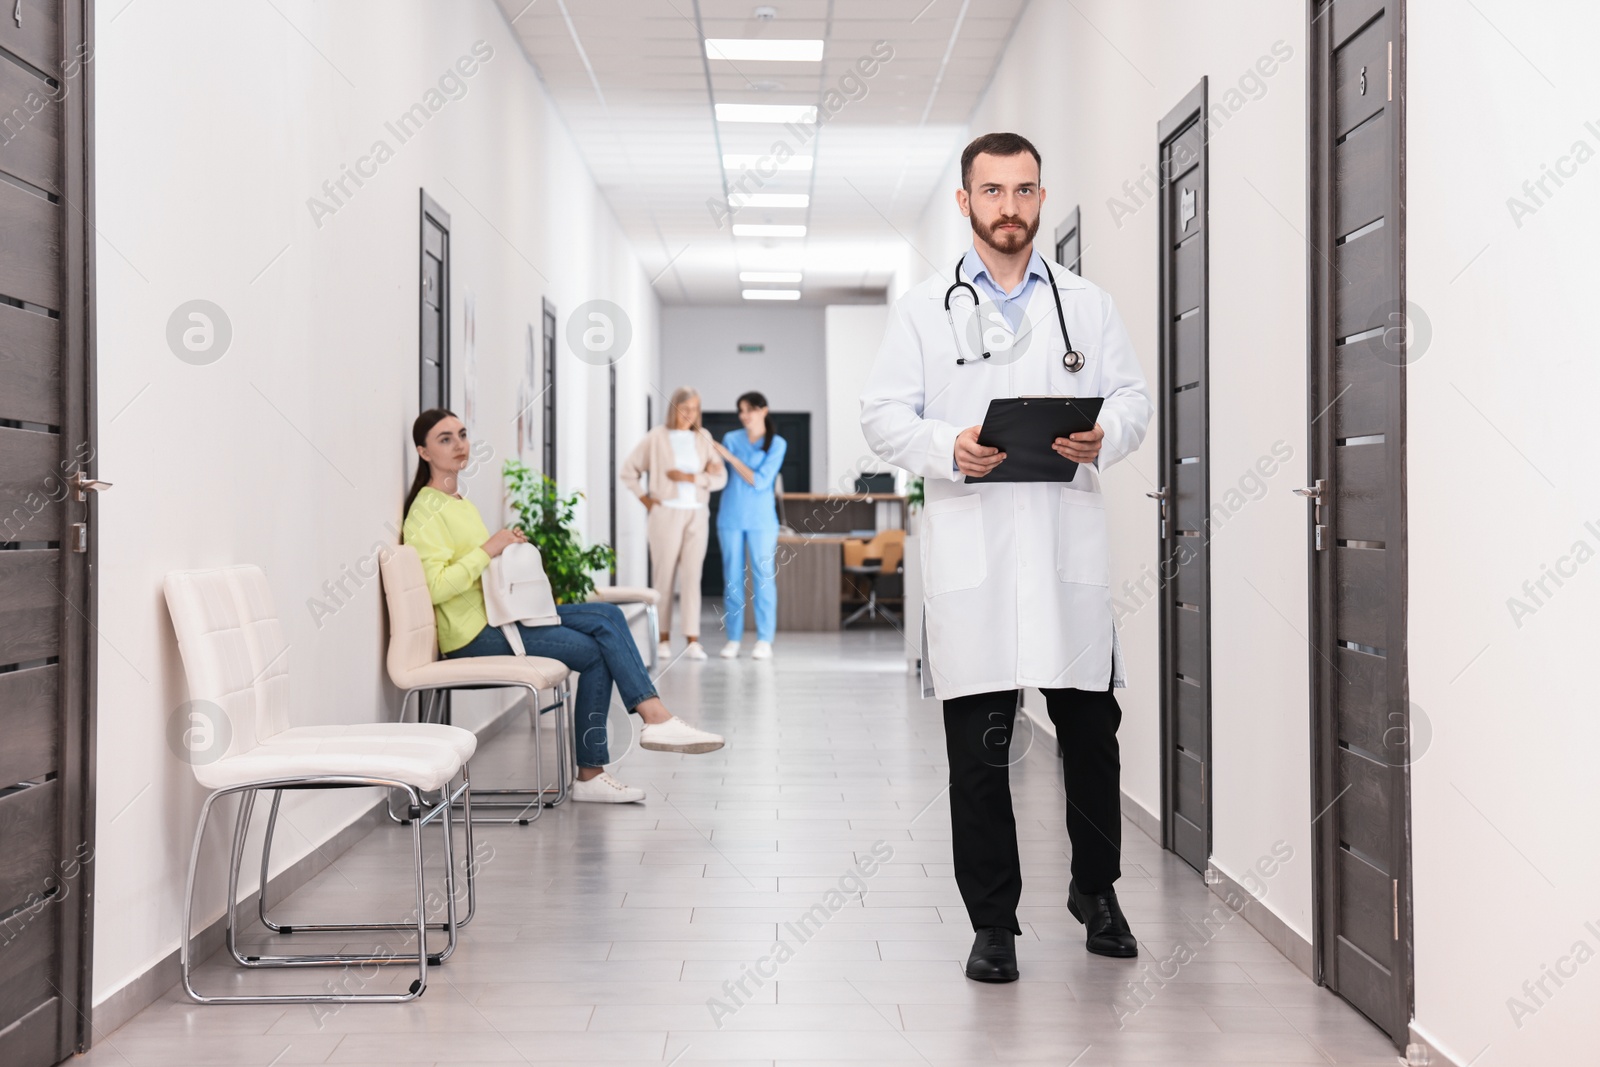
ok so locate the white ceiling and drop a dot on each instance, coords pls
(632, 81)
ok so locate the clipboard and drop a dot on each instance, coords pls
(1024, 428)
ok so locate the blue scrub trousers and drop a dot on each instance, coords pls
(763, 546)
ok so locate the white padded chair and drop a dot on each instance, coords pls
(415, 667)
(623, 595)
(235, 660)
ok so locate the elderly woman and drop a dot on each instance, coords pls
(679, 461)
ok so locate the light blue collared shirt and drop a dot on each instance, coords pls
(1012, 304)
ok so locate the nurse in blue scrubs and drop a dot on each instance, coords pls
(748, 519)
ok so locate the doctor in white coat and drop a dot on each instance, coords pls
(1015, 575)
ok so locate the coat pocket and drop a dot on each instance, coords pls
(954, 555)
(1082, 547)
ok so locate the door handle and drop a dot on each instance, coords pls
(82, 484)
(1313, 493)
(1161, 495)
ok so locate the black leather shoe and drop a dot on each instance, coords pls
(994, 956)
(1108, 927)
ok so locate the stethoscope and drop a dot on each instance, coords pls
(1071, 359)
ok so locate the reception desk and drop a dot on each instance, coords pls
(809, 570)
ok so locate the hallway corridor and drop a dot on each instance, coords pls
(605, 935)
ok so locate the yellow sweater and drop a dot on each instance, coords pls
(448, 534)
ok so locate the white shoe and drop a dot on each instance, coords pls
(663, 651)
(730, 650)
(675, 735)
(604, 789)
(763, 650)
(694, 651)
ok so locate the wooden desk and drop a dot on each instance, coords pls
(808, 582)
(837, 513)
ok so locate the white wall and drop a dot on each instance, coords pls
(1502, 492)
(214, 125)
(853, 335)
(700, 348)
(1119, 67)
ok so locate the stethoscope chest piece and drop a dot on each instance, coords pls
(1073, 360)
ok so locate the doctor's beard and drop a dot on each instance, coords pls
(1009, 241)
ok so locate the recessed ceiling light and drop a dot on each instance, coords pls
(771, 294)
(740, 163)
(739, 200)
(801, 113)
(765, 229)
(770, 276)
(769, 51)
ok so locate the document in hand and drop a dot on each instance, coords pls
(1025, 428)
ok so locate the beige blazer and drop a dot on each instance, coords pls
(653, 457)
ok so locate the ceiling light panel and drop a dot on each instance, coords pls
(765, 229)
(800, 113)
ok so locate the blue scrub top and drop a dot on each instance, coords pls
(745, 506)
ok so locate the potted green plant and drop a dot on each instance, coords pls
(545, 516)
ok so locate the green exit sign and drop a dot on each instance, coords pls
(752, 348)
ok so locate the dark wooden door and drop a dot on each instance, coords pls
(47, 549)
(547, 417)
(435, 306)
(795, 428)
(1356, 405)
(1069, 243)
(1185, 495)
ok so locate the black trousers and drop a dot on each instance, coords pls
(977, 731)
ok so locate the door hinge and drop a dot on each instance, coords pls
(1202, 783)
(80, 537)
(1396, 893)
(1391, 70)
(1320, 528)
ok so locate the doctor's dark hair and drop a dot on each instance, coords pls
(995, 144)
(756, 400)
(419, 437)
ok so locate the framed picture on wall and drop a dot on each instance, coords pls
(528, 396)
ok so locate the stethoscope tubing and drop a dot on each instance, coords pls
(1071, 359)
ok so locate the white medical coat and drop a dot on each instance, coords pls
(1016, 576)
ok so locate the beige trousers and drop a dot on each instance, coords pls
(678, 539)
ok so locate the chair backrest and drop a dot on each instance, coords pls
(413, 641)
(888, 546)
(234, 657)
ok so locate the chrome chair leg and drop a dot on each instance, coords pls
(652, 622)
(186, 943)
(462, 795)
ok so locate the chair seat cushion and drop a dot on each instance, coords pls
(420, 764)
(537, 671)
(624, 594)
(462, 742)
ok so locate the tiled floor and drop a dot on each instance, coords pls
(609, 935)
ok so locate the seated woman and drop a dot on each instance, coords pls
(593, 639)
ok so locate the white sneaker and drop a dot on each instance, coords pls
(604, 789)
(663, 651)
(730, 650)
(763, 650)
(675, 735)
(694, 651)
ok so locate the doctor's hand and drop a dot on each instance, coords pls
(972, 459)
(1081, 447)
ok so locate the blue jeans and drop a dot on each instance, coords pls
(594, 640)
(763, 546)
